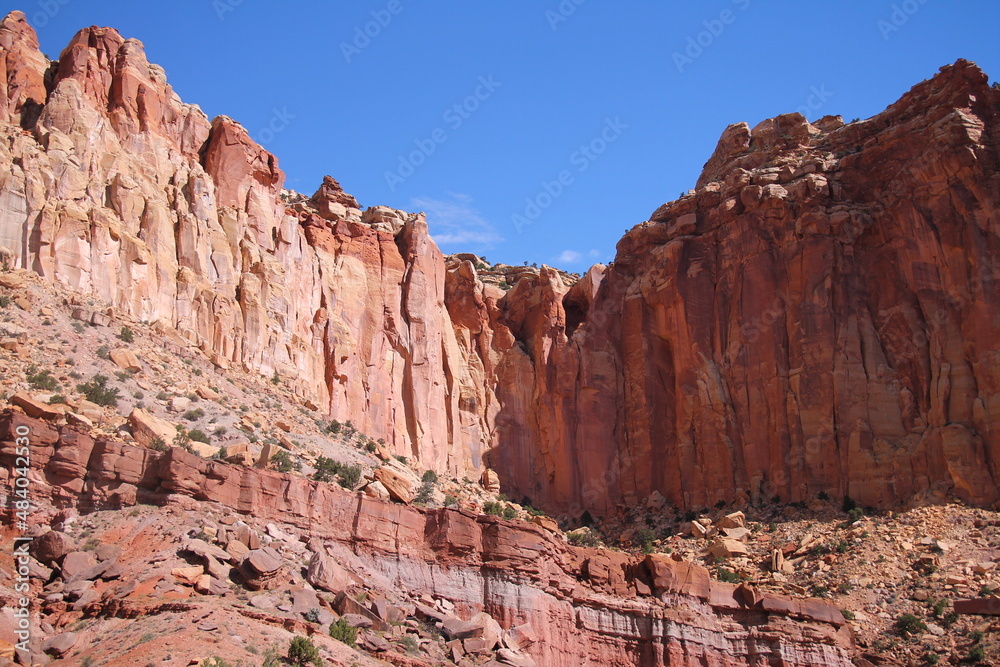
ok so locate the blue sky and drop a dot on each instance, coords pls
(528, 130)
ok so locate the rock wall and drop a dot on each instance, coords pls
(114, 188)
(587, 606)
(821, 314)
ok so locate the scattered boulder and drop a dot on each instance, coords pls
(327, 574)
(401, 483)
(377, 490)
(34, 407)
(490, 481)
(126, 359)
(59, 645)
(146, 428)
(734, 520)
(52, 546)
(727, 548)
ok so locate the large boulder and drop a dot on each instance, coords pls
(146, 428)
(401, 482)
(326, 573)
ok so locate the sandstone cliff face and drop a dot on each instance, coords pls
(819, 315)
(587, 606)
(113, 187)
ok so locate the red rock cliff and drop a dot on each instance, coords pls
(821, 314)
(114, 188)
(587, 606)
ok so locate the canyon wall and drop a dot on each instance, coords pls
(115, 189)
(586, 606)
(820, 314)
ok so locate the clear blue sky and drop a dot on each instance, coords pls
(548, 81)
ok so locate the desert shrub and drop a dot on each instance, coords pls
(344, 633)
(97, 391)
(56, 398)
(492, 508)
(312, 615)
(126, 335)
(908, 624)
(215, 661)
(976, 655)
(409, 642)
(199, 436)
(583, 539)
(848, 614)
(509, 512)
(194, 415)
(283, 462)
(450, 500)
(43, 380)
(430, 477)
(303, 652)
(349, 476)
(643, 539)
(104, 352)
(158, 444)
(728, 576)
(219, 431)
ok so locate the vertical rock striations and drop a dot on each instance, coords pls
(820, 314)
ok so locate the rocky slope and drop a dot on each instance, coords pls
(819, 315)
(578, 606)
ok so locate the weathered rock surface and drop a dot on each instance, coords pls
(113, 187)
(580, 606)
(819, 315)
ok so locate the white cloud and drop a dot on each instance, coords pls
(569, 257)
(456, 222)
(595, 253)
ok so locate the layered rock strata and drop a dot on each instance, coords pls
(586, 606)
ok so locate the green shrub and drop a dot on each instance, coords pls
(126, 335)
(583, 539)
(643, 538)
(158, 444)
(194, 415)
(424, 494)
(283, 462)
(509, 512)
(409, 642)
(976, 655)
(97, 391)
(272, 657)
(43, 380)
(976, 636)
(303, 652)
(728, 576)
(349, 476)
(908, 624)
(199, 436)
(4, 301)
(932, 658)
(104, 352)
(219, 431)
(215, 661)
(492, 508)
(430, 477)
(344, 633)
(848, 614)
(56, 398)
(402, 459)
(312, 615)
(450, 500)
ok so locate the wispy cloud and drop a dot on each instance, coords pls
(456, 222)
(569, 257)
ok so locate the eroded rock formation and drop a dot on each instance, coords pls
(587, 606)
(820, 314)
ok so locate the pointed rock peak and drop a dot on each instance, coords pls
(15, 28)
(331, 201)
